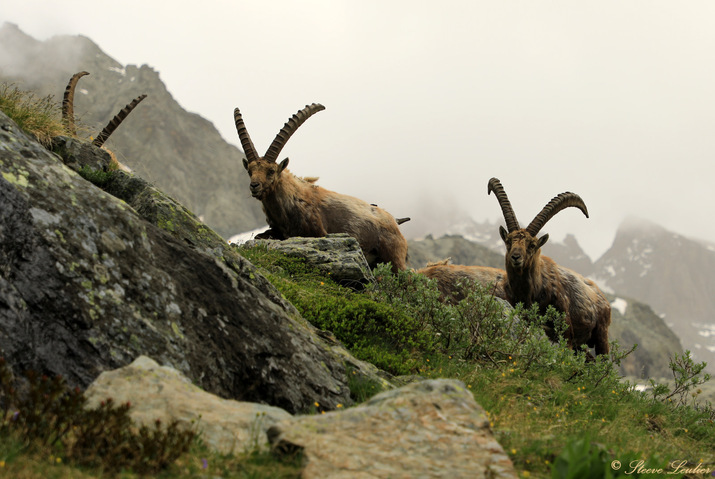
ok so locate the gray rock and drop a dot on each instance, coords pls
(87, 285)
(160, 392)
(429, 429)
(337, 255)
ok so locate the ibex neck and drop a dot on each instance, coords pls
(524, 284)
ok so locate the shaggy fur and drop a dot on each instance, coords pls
(298, 207)
(449, 276)
(532, 278)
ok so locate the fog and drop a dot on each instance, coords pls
(425, 102)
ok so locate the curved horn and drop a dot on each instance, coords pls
(557, 203)
(68, 103)
(243, 135)
(511, 222)
(289, 128)
(116, 121)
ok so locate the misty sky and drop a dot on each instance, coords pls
(425, 101)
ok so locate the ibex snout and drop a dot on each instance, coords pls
(255, 189)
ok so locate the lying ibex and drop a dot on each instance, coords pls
(452, 278)
(298, 207)
(532, 278)
(68, 112)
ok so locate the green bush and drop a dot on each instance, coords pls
(379, 333)
(49, 415)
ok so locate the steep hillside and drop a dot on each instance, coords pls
(672, 273)
(179, 151)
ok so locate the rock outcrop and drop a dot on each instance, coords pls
(337, 255)
(160, 392)
(430, 429)
(87, 285)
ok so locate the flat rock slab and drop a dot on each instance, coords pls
(337, 255)
(160, 392)
(430, 429)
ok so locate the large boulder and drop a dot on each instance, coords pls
(163, 393)
(429, 429)
(87, 285)
(336, 255)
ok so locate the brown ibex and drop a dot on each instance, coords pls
(68, 112)
(452, 278)
(298, 207)
(532, 278)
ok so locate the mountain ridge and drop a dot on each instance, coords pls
(188, 159)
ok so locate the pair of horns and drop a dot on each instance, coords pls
(282, 137)
(68, 112)
(557, 203)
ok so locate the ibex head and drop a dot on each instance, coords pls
(264, 171)
(523, 248)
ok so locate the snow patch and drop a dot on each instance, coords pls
(248, 235)
(121, 71)
(621, 305)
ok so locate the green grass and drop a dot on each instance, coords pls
(37, 116)
(551, 409)
(556, 414)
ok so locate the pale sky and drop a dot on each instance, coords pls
(425, 101)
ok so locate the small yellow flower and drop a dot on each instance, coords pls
(547, 462)
(321, 283)
(316, 404)
(58, 460)
(525, 473)
(2, 463)
(513, 451)
(339, 406)
(469, 386)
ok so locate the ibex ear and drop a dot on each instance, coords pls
(283, 165)
(503, 233)
(543, 240)
(245, 163)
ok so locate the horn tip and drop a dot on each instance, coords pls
(492, 185)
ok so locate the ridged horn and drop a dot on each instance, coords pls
(402, 220)
(246, 143)
(511, 222)
(68, 103)
(289, 128)
(557, 203)
(116, 121)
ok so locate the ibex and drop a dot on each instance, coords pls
(298, 207)
(532, 278)
(68, 112)
(452, 278)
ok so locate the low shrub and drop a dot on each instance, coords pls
(51, 416)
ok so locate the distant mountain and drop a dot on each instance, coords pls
(672, 273)
(460, 249)
(179, 151)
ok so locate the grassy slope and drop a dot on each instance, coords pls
(542, 402)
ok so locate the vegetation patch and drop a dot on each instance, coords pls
(36, 116)
(555, 412)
